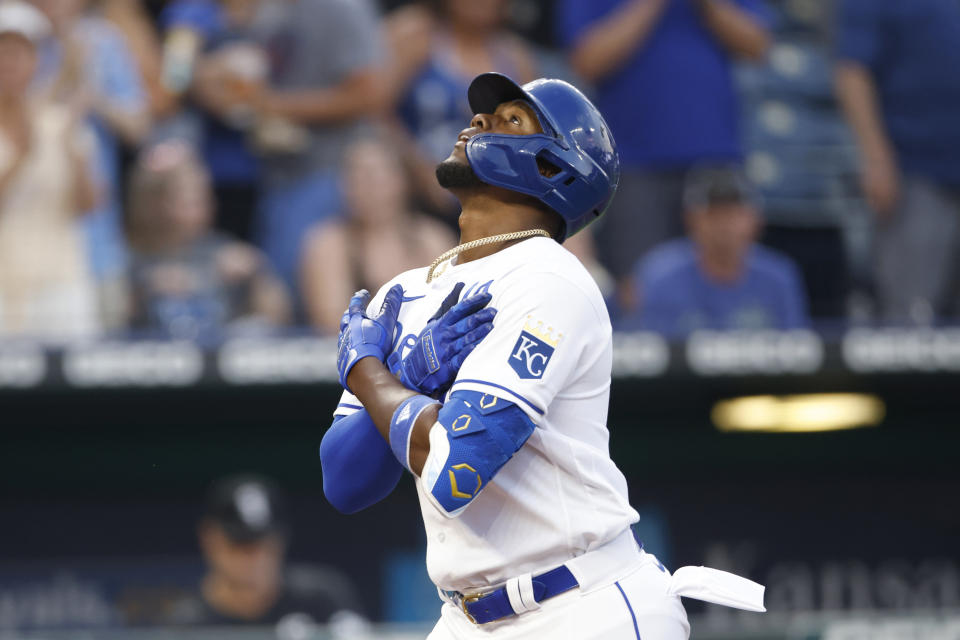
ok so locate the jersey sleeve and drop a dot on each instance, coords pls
(348, 404)
(542, 335)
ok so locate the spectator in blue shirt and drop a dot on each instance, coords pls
(718, 277)
(898, 79)
(202, 41)
(324, 81)
(662, 72)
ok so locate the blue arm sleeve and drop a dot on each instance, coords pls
(359, 469)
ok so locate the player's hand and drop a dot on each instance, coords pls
(443, 345)
(363, 336)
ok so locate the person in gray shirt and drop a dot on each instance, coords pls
(323, 83)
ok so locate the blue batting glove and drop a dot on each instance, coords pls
(362, 336)
(433, 362)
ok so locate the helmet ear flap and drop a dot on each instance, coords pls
(574, 178)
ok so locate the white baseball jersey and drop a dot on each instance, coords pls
(550, 353)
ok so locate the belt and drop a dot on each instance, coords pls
(514, 598)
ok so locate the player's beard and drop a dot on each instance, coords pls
(452, 174)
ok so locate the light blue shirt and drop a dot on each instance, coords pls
(677, 297)
(112, 73)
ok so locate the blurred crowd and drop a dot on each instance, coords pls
(200, 168)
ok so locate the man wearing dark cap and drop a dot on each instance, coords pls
(717, 277)
(243, 535)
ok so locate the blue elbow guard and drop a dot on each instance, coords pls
(476, 435)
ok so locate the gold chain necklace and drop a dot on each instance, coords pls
(473, 244)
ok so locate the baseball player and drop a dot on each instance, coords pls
(487, 376)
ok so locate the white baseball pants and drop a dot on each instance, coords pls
(636, 606)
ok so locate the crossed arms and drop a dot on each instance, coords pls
(363, 454)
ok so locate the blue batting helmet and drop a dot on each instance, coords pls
(576, 142)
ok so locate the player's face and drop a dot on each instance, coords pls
(512, 118)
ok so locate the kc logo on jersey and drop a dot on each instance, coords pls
(533, 350)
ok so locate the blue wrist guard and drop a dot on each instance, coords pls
(401, 424)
